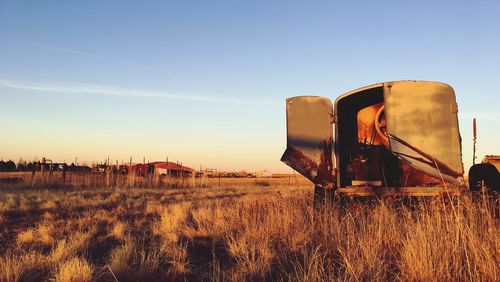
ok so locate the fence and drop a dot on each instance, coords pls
(110, 178)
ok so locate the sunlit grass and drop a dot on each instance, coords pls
(241, 233)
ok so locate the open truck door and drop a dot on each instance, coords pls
(422, 126)
(310, 138)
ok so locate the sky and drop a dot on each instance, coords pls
(205, 82)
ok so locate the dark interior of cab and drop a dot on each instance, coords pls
(362, 143)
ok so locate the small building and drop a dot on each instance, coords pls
(172, 169)
(494, 160)
(140, 169)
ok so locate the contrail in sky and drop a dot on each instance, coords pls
(71, 51)
(93, 89)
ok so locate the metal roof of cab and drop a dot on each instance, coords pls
(380, 84)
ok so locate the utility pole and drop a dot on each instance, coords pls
(474, 134)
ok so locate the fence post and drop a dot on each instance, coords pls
(42, 170)
(117, 174)
(107, 172)
(33, 172)
(64, 174)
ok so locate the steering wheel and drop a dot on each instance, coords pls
(381, 125)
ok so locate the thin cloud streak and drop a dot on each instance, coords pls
(71, 51)
(92, 89)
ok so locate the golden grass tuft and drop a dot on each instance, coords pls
(74, 270)
(22, 266)
(176, 256)
(171, 219)
(253, 253)
(68, 247)
(26, 237)
(132, 262)
(44, 232)
(121, 259)
(42, 235)
(119, 230)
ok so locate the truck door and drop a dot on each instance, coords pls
(422, 126)
(310, 138)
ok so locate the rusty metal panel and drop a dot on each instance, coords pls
(310, 138)
(422, 125)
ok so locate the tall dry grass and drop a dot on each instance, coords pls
(248, 233)
(58, 180)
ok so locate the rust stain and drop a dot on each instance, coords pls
(321, 173)
(325, 167)
(300, 162)
(431, 161)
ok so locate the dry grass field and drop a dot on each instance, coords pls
(243, 230)
(100, 180)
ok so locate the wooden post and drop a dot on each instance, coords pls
(144, 179)
(64, 173)
(156, 175)
(177, 176)
(194, 178)
(129, 173)
(75, 173)
(182, 182)
(474, 134)
(168, 176)
(33, 174)
(117, 174)
(182, 176)
(43, 170)
(107, 172)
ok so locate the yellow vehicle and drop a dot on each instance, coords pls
(396, 138)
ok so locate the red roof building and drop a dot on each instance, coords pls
(173, 169)
(139, 169)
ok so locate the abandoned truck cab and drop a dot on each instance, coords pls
(394, 138)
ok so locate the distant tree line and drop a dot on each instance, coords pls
(10, 166)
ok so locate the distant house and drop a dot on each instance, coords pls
(140, 169)
(75, 168)
(494, 160)
(172, 169)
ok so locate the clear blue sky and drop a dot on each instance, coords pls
(205, 81)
